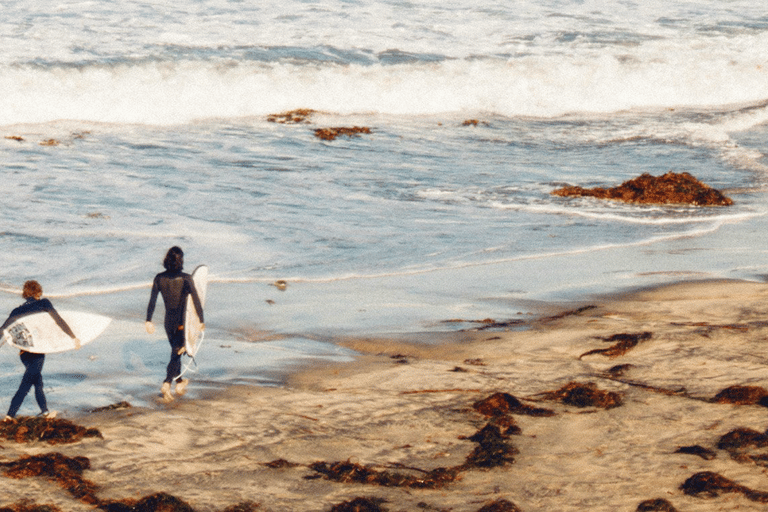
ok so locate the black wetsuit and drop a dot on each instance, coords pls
(33, 363)
(174, 286)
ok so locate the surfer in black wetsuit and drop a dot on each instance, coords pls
(174, 285)
(33, 363)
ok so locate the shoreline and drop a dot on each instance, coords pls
(408, 407)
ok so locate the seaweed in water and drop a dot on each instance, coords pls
(360, 505)
(500, 506)
(656, 505)
(53, 431)
(297, 116)
(29, 506)
(704, 453)
(502, 404)
(66, 471)
(584, 395)
(624, 342)
(710, 485)
(332, 133)
(160, 502)
(741, 395)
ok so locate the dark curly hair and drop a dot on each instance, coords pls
(174, 259)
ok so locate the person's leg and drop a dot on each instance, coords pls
(38, 383)
(27, 381)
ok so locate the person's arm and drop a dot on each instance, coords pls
(148, 325)
(47, 306)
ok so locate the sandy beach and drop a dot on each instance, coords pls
(407, 406)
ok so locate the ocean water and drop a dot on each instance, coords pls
(129, 127)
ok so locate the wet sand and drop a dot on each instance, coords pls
(407, 406)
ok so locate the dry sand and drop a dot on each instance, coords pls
(407, 403)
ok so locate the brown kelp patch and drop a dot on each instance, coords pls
(360, 504)
(492, 451)
(159, 502)
(623, 343)
(333, 133)
(700, 451)
(740, 444)
(710, 485)
(671, 188)
(29, 506)
(351, 472)
(500, 506)
(53, 431)
(502, 404)
(65, 471)
(741, 395)
(656, 505)
(298, 116)
(113, 407)
(584, 395)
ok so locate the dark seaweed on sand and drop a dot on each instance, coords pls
(360, 505)
(65, 471)
(656, 505)
(113, 407)
(351, 472)
(28, 506)
(52, 431)
(710, 485)
(500, 506)
(741, 395)
(584, 395)
(623, 343)
(153, 503)
(501, 404)
(704, 453)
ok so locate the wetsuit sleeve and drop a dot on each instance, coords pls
(196, 300)
(152, 299)
(47, 306)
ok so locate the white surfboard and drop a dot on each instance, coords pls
(193, 334)
(40, 334)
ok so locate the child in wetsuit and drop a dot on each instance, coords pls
(33, 363)
(174, 285)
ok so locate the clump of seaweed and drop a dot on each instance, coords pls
(65, 471)
(741, 395)
(29, 506)
(297, 116)
(360, 504)
(585, 395)
(740, 441)
(704, 453)
(113, 407)
(351, 472)
(333, 133)
(624, 342)
(280, 464)
(53, 431)
(500, 506)
(153, 503)
(502, 404)
(656, 505)
(492, 450)
(710, 485)
(246, 506)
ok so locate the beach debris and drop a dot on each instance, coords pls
(29, 506)
(492, 450)
(297, 116)
(17, 138)
(470, 122)
(584, 395)
(113, 407)
(501, 505)
(58, 468)
(710, 485)
(26, 429)
(351, 472)
(623, 343)
(656, 505)
(49, 142)
(158, 502)
(333, 133)
(671, 188)
(360, 504)
(742, 395)
(502, 404)
(619, 370)
(704, 453)
(280, 464)
(281, 284)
